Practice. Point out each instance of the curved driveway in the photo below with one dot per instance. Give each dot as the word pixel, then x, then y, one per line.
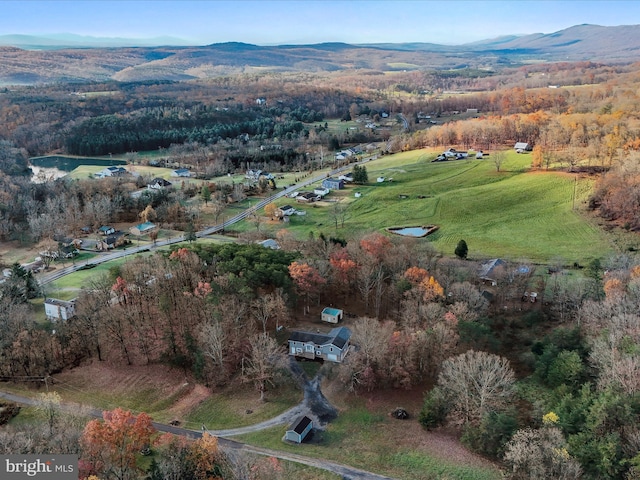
pixel 346 471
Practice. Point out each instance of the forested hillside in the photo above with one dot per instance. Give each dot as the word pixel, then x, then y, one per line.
pixel 546 385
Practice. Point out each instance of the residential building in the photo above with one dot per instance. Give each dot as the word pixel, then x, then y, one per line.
pixel 332 346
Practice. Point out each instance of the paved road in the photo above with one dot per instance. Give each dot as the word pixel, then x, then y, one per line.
pixel 286 417
pixel 227 445
pixel 46 278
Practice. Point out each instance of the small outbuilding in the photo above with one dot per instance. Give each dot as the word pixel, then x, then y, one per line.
pixel 298 431
pixel 331 315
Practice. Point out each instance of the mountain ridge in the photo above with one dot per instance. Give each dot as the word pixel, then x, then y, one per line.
pixel 182 62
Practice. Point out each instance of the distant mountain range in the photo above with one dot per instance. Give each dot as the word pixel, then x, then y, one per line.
pixel 73 58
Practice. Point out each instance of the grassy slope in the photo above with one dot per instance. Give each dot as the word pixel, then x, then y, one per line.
pixel 358 437
pixel 513 213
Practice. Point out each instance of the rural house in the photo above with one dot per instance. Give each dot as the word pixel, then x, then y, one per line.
pixel 143 228
pixel 56 309
pixel 111 172
pixel 522 147
pixel 159 183
pixel 333 183
pixel 285 211
pixel 307 197
pixel 332 346
pixel 270 243
pixel 491 270
pixel 106 230
pixel 331 315
pixel 299 429
pixel 181 172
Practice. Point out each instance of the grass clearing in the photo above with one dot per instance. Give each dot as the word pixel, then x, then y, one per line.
pixel 367 440
pixel 513 213
pixel 230 409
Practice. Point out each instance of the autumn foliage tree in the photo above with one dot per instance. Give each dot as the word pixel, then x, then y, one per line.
pixel 111 446
pixel 182 458
pixel 307 278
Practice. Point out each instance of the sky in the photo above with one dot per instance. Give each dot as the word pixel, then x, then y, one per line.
pixel 277 22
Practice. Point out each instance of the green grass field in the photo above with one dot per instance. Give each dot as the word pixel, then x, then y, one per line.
pixel 358 438
pixel 513 213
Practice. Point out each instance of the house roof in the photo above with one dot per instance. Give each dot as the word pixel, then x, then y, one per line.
pixel 487 268
pixel 105 228
pixel 337 336
pixel 300 424
pixel 160 181
pixel 284 208
pixel 145 226
pixel 331 311
pixel 60 303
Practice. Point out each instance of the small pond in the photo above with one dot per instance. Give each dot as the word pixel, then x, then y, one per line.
pixel 413 231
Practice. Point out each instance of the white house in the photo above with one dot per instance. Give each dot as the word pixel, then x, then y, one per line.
pixel 111 172
pixel 56 309
pixel 321 191
pixel 522 147
pixel 158 184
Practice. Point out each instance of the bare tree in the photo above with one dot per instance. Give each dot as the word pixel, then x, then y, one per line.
pixel 267 307
pixel 265 362
pixel 498 159
pixel 476 383
pixel 534 454
pixel 213 338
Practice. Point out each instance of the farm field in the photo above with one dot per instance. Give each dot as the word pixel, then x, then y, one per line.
pixel 513 213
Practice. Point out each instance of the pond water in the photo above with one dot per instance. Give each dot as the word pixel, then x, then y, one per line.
pixel 413 231
pixel 56 166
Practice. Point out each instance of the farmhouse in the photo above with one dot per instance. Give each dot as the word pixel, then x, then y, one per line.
pixel 59 309
pixel 270 243
pixel 181 172
pixel 143 228
pixel 321 192
pixel 331 315
pixel 522 147
pixel 307 197
pixel 285 211
pixel 333 183
pixel 111 172
pixel 490 271
pixel 332 346
pixel 299 429
pixel 106 230
pixel 159 184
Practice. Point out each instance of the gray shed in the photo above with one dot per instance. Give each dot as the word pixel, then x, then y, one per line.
pixel 299 430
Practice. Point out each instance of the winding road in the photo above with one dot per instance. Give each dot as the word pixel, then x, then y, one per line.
pixel 313 403
pixel 47 278
pixel 311 398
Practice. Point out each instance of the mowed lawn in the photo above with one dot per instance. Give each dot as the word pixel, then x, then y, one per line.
pixel 514 213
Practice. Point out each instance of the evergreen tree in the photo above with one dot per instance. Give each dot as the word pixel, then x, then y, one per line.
pixel 462 249
pixel 360 175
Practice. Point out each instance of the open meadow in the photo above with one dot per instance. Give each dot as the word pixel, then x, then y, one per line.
pixel 511 213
